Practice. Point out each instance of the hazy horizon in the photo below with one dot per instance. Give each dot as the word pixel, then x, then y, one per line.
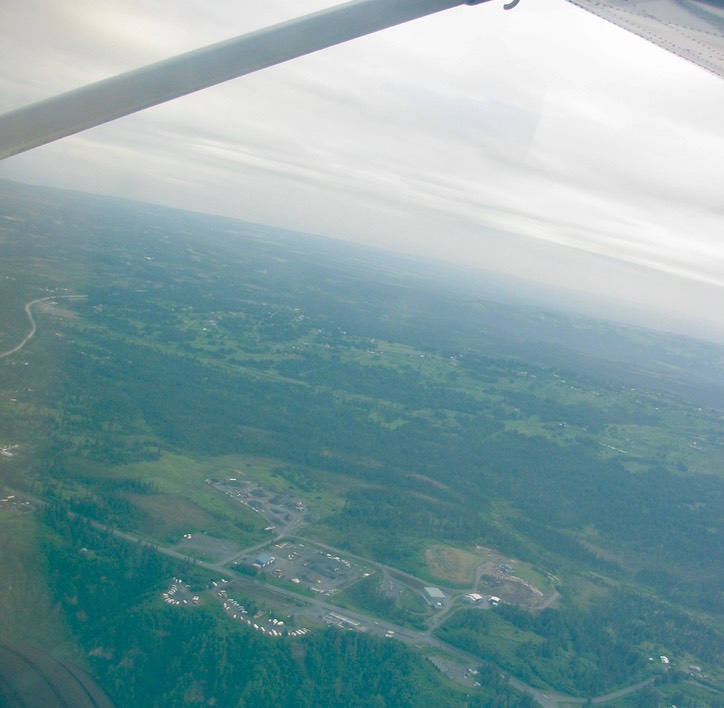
pixel 493 285
pixel 541 143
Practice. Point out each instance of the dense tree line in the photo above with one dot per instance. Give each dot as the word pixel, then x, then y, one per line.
pixel 583 651
pixel 138 381
pixel 113 388
pixel 145 653
pixel 367 595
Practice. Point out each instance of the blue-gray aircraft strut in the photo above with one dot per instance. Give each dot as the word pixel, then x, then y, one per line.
pixel 106 100
pixel 693 29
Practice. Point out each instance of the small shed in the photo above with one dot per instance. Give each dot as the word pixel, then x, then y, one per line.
pixel 263 560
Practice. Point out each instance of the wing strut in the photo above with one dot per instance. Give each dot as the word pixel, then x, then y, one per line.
pixel 112 98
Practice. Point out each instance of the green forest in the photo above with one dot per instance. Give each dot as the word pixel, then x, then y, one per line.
pixel 406 404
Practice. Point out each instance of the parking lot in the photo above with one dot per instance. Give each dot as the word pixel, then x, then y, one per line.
pixel 305 565
pixel 283 513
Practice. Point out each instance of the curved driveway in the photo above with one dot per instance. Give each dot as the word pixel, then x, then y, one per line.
pixel 33 326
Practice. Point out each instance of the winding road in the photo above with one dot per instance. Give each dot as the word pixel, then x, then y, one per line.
pixel 33 326
pixel 547 699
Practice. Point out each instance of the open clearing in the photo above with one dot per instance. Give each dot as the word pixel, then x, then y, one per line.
pixel 451 564
pixel 210 547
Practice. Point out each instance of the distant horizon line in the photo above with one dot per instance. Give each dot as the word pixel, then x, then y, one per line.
pixel 607 308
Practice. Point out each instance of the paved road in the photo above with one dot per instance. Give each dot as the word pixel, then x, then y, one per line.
pixel 33 326
pixel 623 692
pixel 547 699
pixel 322 608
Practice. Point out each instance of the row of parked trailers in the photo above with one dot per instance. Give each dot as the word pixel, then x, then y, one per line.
pixel 238 612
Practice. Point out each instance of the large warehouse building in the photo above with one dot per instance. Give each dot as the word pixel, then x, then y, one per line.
pixel 434 596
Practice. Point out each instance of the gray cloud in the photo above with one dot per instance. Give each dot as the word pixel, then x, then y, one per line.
pixel 514 140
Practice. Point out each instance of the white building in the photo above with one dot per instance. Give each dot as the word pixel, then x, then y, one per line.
pixel 434 596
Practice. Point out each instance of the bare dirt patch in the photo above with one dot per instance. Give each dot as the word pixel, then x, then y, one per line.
pixel 451 564
pixel 429 480
pixel 53 308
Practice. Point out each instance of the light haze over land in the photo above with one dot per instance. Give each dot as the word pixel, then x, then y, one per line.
pixel 541 142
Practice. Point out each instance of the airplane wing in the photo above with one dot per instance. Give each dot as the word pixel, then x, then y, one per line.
pixel 692 29
pixel 106 100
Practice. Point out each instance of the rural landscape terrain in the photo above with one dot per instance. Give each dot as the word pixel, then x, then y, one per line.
pixel 244 466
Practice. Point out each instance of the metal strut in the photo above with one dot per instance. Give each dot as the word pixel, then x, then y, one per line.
pixel 83 108
pixel 508 6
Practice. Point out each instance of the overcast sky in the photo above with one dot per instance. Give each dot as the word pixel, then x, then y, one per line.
pixel 541 142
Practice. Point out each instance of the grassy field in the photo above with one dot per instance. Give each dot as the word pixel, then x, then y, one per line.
pixel 27 615
pixel 184 503
pixel 406 608
pixel 415 421
pixel 181 502
pixel 536 577
pixel 452 566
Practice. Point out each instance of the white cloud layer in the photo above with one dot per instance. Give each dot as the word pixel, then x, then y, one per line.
pixel 541 142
